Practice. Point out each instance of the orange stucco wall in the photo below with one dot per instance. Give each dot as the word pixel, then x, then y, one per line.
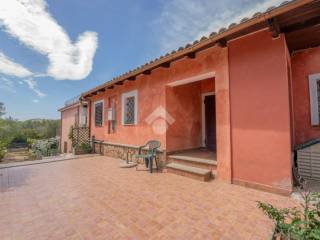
pixel 151 95
pixel 68 118
pixel 260 111
pixel 304 63
pixel 186 130
pixel 153 92
pixel 207 85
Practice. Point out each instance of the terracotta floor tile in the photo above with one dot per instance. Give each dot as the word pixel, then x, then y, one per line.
pixel 92 198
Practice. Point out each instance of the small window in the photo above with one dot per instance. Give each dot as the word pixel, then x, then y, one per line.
pixel 314 89
pixel 98 113
pixel 129 108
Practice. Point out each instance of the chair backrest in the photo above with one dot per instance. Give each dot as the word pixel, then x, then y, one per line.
pixel 153 145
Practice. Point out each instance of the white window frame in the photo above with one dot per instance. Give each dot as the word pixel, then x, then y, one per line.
pixel 134 94
pixel 94 112
pixel 314 103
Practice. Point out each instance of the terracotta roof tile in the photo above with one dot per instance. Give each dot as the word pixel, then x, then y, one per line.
pixel 213 34
pixel 270 8
pixel 232 25
pixel 257 14
pixel 244 20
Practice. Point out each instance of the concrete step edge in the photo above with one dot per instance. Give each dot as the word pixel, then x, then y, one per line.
pixel 194 159
pixel 185 168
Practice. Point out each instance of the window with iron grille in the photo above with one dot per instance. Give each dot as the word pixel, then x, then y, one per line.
pixel 129 108
pixel 314 90
pixel 98 113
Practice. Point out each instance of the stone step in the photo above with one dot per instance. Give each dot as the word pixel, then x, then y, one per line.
pixel 194 162
pixel 192 172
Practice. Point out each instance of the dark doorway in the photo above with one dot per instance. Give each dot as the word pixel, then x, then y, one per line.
pixel 65 147
pixel 210 122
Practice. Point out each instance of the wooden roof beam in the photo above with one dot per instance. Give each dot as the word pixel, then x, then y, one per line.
pixel 146 72
pixel 192 55
pixel 166 64
pixel 101 90
pixel 302 25
pixel 222 43
pixel 120 83
pixel 274 27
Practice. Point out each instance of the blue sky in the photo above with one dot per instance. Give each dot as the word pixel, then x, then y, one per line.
pixel 51 51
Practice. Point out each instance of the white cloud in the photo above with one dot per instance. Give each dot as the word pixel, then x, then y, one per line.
pixel 7 84
pixel 33 85
pixel 183 21
pixel 30 22
pixel 35 100
pixel 9 67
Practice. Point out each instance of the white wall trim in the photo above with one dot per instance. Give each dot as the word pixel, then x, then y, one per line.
pixel 94 112
pixel 192 79
pixel 134 94
pixel 314 104
pixel 203 113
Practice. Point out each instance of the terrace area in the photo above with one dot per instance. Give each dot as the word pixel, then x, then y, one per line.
pixel 92 198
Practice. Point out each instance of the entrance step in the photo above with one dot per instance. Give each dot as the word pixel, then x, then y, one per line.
pixel 189 171
pixel 194 162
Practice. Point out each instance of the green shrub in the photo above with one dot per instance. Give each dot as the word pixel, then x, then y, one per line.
pixel 83 148
pixel 3 149
pixel 44 148
pixel 295 223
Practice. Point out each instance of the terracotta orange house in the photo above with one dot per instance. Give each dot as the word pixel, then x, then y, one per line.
pixel 73 114
pixel 247 94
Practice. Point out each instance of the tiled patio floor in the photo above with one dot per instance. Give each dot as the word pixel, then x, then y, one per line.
pixel 92 198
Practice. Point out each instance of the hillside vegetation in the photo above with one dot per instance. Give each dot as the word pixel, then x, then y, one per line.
pixel 14 131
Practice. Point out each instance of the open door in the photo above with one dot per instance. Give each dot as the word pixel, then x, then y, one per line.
pixel 210 122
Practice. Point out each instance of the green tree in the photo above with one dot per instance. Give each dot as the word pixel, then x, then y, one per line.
pixel 14 131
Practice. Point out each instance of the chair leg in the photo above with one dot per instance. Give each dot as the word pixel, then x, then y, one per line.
pixel 138 162
pixel 156 162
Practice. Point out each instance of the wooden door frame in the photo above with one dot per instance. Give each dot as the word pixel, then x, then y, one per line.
pixel 203 116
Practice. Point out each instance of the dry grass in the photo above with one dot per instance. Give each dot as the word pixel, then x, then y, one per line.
pixel 16 155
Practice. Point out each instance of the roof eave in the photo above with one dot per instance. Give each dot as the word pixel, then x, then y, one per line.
pixel 203 44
